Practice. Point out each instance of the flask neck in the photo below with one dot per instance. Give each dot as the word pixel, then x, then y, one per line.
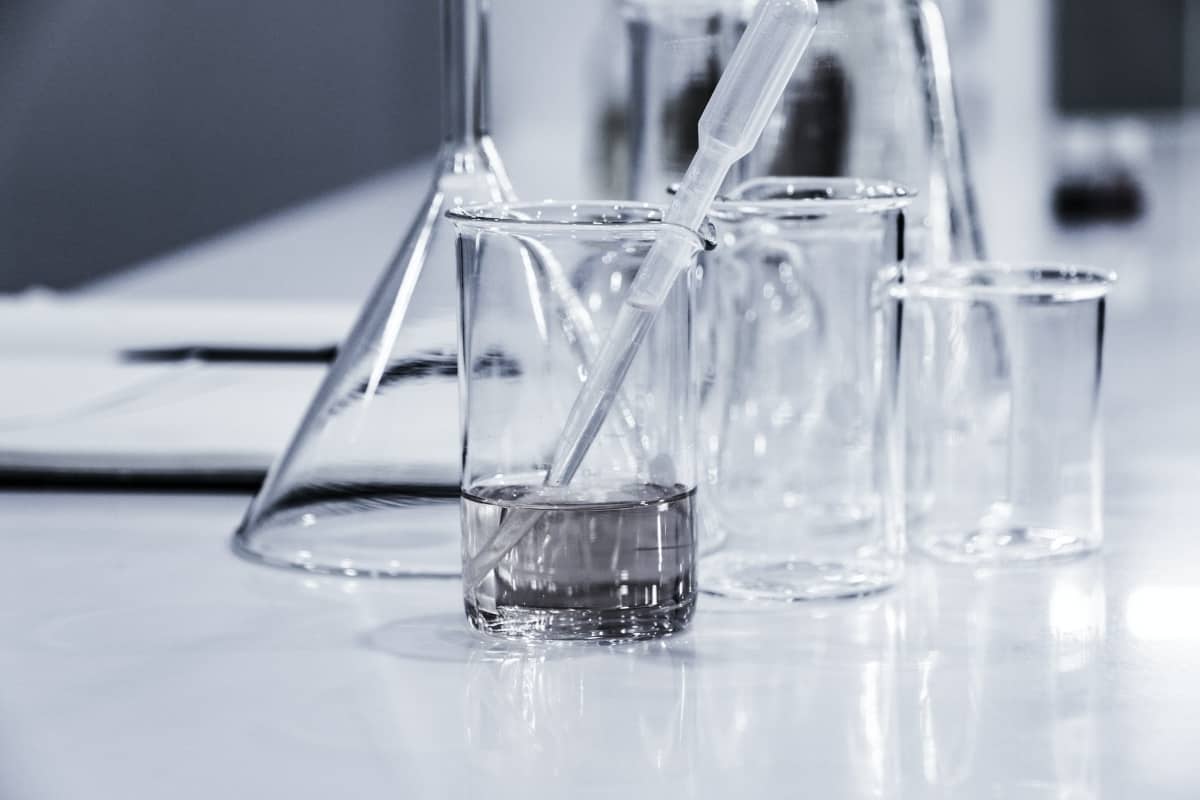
pixel 464 71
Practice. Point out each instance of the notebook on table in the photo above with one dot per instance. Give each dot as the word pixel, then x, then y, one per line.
pixel 104 391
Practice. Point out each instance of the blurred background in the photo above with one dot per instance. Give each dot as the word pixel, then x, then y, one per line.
pixel 131 129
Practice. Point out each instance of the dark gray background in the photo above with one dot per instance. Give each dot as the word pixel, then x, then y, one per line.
pixel 129 127
pixel 1122 56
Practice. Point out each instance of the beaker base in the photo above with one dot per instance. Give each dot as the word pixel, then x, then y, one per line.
pixel 1011 545
pixel 579 624
pixel 783 578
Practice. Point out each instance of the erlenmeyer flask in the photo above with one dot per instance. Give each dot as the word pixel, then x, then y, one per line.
pixel 369 483
pixel 876 97
pixel 873 97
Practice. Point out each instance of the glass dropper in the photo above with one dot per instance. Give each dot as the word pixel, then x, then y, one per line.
pixel 732 122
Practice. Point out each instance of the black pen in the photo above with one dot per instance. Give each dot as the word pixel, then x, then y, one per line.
pixel 222 354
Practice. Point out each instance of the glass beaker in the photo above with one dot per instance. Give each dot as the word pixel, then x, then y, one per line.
pixel 612 554
pixel 1001 376
pixel 368 485
pixel 800 428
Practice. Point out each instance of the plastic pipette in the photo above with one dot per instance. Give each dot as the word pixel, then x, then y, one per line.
pixel 747 93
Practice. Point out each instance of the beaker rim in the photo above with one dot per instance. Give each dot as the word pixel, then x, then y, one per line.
pixel 809 196
pixel 588 216
pixel 1043 282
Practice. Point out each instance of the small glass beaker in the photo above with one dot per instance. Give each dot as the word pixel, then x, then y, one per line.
pixel 611 555
pixel 799 424
pixel 1001 381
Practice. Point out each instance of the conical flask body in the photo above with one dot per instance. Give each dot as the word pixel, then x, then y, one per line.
pixel 369 484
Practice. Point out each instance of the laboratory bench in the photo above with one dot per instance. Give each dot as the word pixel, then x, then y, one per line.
pixel 141 658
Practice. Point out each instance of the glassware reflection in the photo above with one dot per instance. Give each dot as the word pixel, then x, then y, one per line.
pixel 958 684
pixel 1001 691
pixel 800 700
pixel 760 703
pixel 555 714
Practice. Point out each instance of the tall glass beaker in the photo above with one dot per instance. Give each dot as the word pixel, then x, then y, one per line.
pixel 800 425
pixel 369 483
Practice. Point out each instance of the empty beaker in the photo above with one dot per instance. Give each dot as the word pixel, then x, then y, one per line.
pixel 1001 373
pixel 610 555
pixel 800 428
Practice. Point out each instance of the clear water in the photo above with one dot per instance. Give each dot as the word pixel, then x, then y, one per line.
pixel 602 565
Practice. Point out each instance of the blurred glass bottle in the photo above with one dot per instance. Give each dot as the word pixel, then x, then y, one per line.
pixel 677 50
pixel 874 96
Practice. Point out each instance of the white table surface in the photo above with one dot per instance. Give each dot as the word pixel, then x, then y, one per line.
pixel 139 658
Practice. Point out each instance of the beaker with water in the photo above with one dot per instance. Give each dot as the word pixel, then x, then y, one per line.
pixel 611 555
